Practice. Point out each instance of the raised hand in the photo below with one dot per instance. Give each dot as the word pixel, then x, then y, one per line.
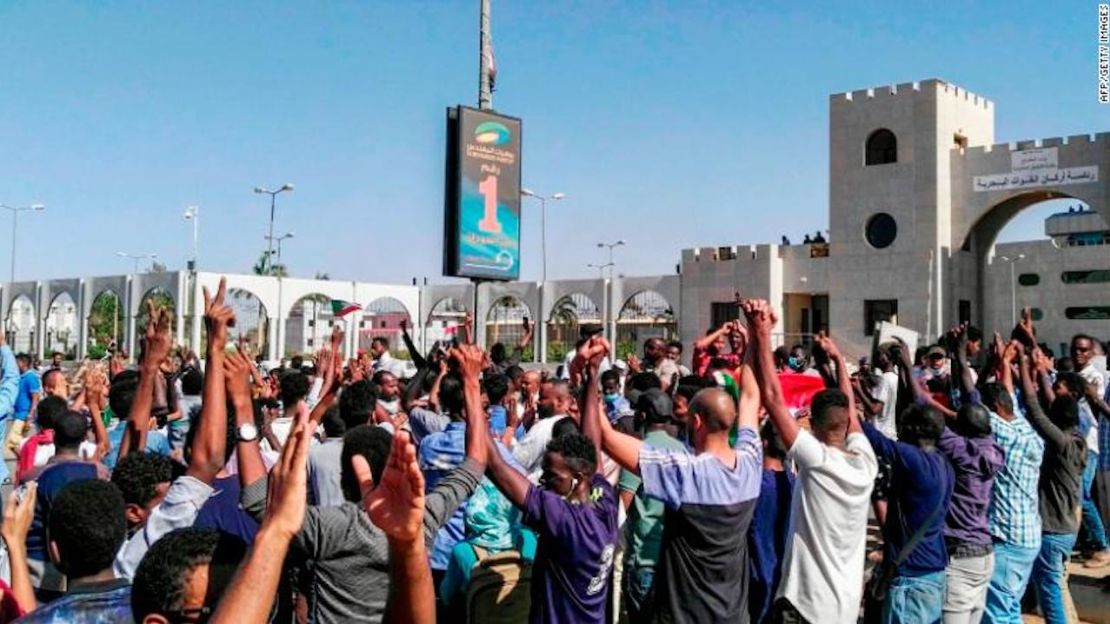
pixel 18 515
pixel 337 341
pixel 396 505
pixel 157 340
pixel 633 363
pixel 218 316
pixel 288 484
pixel 827 345
pixel 592 353
pixel 470 358
pixel 761 317
pixel 237 372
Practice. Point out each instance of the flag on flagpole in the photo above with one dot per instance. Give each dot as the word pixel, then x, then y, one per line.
pixel 340 308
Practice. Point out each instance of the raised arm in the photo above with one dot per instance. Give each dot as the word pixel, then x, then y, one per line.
pixel 95 383
pixel 18 515
pixel 706 341
pixel 1005 364
pixel 526 339
pixel 843 381
pixel 156 348
pixel 250 596
pixel 748 413
pixel 468 328
pixel 1033 412
pixel 761 320
pixel 417 358
pixel 237 387
pixel 957 344
pixel 469 359
pixel 592 353
pixel 210 442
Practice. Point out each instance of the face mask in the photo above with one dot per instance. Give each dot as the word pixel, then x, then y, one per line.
pixel 612 398
pixel 795 364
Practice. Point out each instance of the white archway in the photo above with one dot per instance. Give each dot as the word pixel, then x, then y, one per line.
pixel 20 324
pixel 62 326
pixel 646 314
pixel 569 316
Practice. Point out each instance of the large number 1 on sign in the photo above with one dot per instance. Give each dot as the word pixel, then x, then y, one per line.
pixel 489 222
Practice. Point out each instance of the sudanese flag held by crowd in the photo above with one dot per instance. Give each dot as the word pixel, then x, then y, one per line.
pixel 340 308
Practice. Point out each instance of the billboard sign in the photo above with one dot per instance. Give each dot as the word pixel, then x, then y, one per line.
pixel 482 199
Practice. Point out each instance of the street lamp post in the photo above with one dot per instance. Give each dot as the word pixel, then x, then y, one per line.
pixel 543 221
pixel 136 258
pixel 278 239
pixel 273 204
pixel 15 222
pixel 192 213
pixel 619 243
pixel 1013 286
pixel 601 269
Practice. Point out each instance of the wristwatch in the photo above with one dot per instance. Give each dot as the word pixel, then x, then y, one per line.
pixel 248 432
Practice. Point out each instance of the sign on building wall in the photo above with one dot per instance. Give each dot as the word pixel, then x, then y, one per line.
pixel 1034 159
pixel 1032 168
pixel 482 195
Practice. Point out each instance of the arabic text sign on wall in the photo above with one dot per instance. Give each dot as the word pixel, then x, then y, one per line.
pixel 1033 178
pixel 482 221
pixel 1034 159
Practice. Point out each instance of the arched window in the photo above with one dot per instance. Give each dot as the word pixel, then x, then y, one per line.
pixel 882 148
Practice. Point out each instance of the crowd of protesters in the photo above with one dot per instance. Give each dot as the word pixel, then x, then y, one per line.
pixel 736 487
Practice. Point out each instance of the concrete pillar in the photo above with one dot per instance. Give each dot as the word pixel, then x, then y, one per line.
pixel 41 312
pixel 82 322
pixel 181 300
pixel 196 311
pixel 541 325
pixel 129 318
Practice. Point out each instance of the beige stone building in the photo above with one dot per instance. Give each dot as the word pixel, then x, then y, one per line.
pixel 918 192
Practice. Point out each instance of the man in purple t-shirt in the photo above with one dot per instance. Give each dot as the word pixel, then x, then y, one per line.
pixel 573 511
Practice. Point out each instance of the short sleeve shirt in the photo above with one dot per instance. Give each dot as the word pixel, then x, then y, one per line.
pixel 887 392
pixel 822 573
pixel 29 384
pixel 702 571
pixel 645 514
pixel 570 579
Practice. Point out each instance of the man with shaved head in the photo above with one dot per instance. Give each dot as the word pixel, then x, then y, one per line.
pixel 709 497
pixel 822 569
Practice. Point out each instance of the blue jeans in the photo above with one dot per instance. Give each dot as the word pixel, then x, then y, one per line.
pixel 1092 527
pixel 1048 575
pixel 915 599
pixel 1012 568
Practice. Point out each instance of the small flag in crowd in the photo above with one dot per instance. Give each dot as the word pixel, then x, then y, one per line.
pixel 341 308
pixel 798 389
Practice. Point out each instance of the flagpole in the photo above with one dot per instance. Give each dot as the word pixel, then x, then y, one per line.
pixel 485 94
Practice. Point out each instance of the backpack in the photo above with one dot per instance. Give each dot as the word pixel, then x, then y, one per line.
pixel 500 588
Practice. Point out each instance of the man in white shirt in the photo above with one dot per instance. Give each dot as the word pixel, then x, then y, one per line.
pixel 822 570
pixel 383 360
pixel 554 404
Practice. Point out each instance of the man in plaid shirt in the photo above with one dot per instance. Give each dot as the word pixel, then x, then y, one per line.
pixel 1015 522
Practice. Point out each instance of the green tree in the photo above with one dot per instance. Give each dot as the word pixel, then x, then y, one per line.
pixel 102 329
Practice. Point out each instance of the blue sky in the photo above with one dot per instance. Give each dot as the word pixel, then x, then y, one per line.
pixel 670 125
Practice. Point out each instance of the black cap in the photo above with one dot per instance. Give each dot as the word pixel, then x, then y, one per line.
pixel 655 406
